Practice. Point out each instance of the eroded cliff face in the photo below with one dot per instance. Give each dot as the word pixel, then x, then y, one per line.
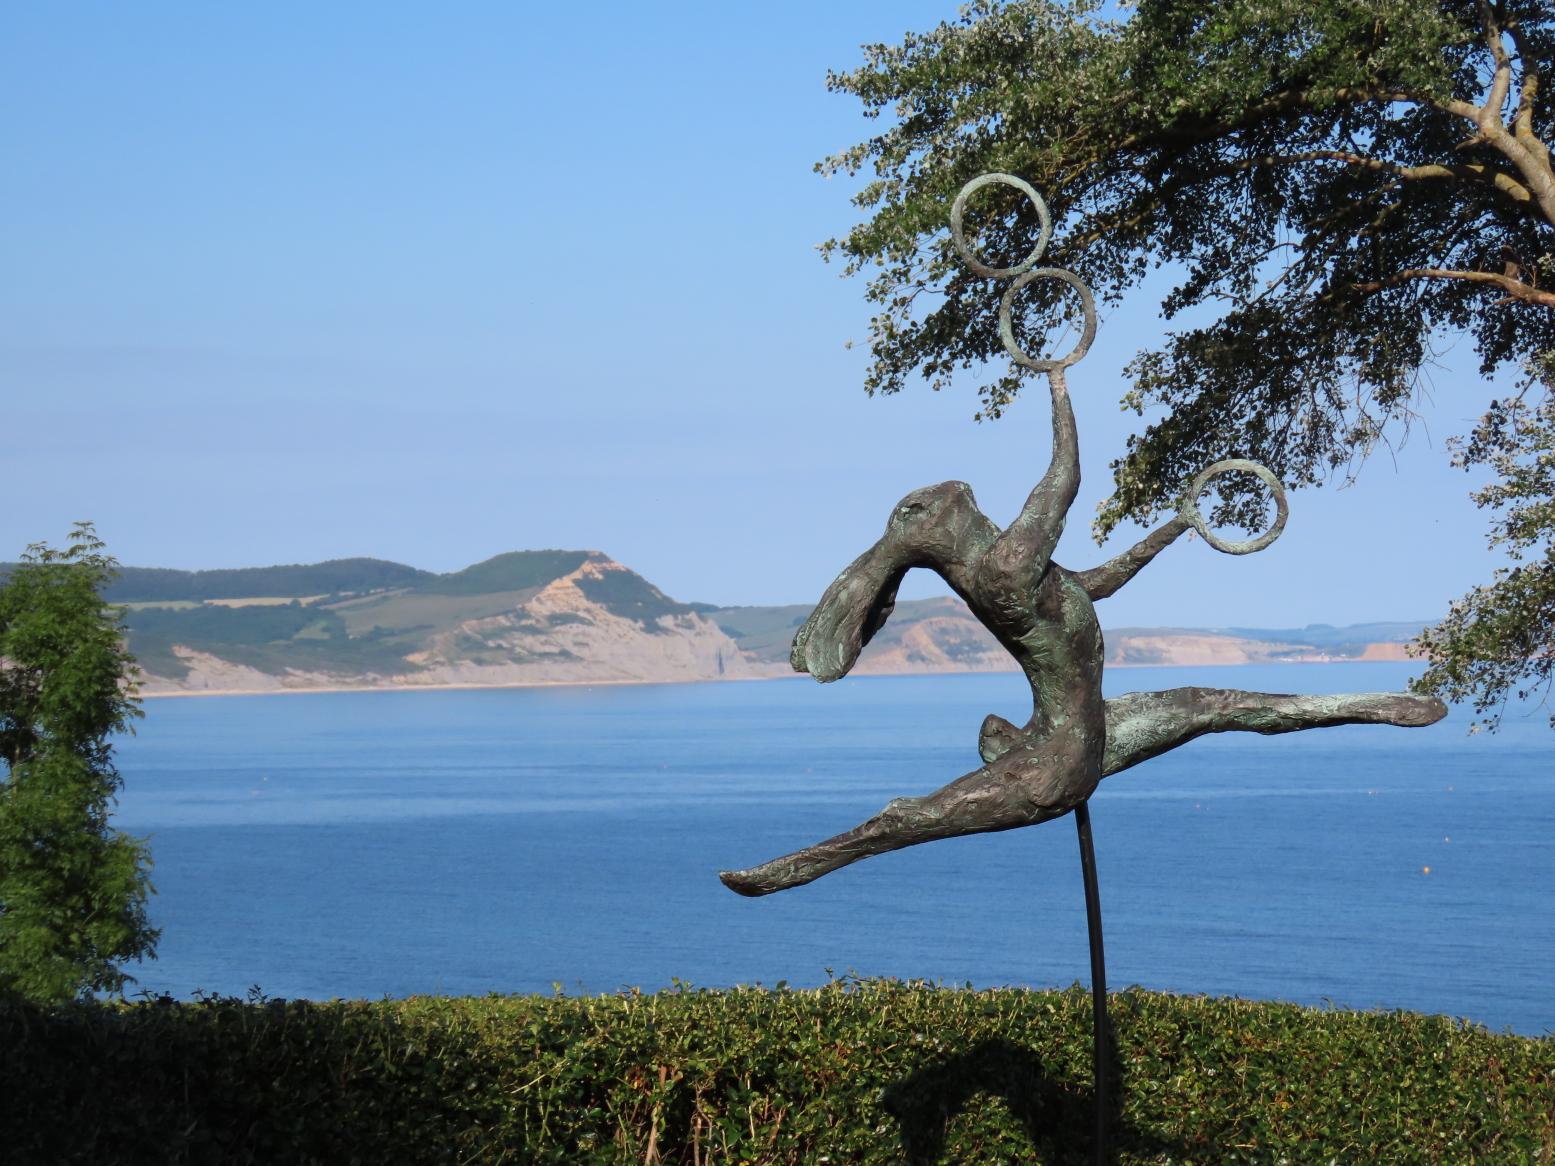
pixel 600 623
pixel 208 673
pixel 941 635
pixel 568 634
pixel 583 618
pixel 1168 647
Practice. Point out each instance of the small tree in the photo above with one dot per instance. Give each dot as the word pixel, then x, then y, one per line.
pixel 72 889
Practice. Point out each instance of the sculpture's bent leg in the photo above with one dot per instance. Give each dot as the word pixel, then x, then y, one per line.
pixel 997 737
pixel 1030 784
pixel 1142 725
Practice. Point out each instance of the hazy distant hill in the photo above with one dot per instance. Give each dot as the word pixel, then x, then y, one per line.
pixel 940 635
pixel 1324 635
pixel 534 617
pixel 922 635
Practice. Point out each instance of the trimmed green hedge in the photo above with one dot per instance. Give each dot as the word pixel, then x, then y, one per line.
pixel 856 1072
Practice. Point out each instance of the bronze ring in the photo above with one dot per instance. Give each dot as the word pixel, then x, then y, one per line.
pixel 958 234
pixel 1189 507
pixel 1007 330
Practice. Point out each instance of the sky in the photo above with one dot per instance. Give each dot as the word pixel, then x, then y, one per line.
pixel 293 282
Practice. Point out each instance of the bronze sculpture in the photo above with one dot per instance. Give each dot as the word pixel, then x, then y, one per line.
pixel 1044 615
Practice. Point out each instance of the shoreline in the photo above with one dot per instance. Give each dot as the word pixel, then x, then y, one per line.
pixel 301 690
pixel 475 687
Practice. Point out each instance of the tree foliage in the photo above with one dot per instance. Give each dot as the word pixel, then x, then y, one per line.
pixel 73 890
pixel 1497 640
pixel 1336 184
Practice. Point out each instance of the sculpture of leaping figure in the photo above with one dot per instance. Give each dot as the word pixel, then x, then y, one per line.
pixel 1044 616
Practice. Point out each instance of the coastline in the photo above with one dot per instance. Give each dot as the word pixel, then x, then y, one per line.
pixel 303 690
pixel 1368 658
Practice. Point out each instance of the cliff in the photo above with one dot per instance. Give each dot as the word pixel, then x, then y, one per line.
pixel 572 617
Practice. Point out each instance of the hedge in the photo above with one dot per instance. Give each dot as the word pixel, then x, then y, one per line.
pixel 855 1072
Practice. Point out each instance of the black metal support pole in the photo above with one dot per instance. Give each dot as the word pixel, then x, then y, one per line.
pixel 1082 821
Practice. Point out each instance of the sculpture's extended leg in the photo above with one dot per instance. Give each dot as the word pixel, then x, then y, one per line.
pixel 1142 725
pixel 1029 784
pixel 939 527
pixel 1033 783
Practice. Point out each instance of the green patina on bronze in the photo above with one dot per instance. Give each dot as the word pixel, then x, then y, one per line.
pixel 1044 615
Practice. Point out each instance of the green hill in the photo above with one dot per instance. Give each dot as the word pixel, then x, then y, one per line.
pixel 294 581
pixel 513 571
pixel 345 616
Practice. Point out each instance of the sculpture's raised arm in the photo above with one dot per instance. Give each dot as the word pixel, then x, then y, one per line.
pixel 1020 555
pixel 1100 582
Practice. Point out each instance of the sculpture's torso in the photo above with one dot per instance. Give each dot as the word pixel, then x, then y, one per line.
pixel 1052 763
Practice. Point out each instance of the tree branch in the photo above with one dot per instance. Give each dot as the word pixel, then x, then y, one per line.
pixel 1522 121
pixel 1100 582
pixel 1513 286
pixel 1501 79
pixel 1189 131
pixel 1524 151
pixel 1425 172
pixel 1159 192
pixel 1529 155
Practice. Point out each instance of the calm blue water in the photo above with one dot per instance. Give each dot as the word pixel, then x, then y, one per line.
pixel 391 843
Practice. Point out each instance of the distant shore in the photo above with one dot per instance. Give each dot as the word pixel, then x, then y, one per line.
pixel 305 690
pixel 301 690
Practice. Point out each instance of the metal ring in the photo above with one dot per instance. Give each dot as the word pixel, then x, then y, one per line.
pixel 1007 330
pixel 1189 506
pixel 958 235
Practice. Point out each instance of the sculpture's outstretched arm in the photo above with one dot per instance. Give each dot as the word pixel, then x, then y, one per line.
pixel 1100 582
pixel 1020 555
pixel 1142 725
pixel 939 527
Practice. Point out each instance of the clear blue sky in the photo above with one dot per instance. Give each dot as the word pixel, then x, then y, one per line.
pixel 290 282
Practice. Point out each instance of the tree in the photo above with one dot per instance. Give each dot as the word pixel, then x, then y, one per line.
pixel 1498 639
pixel 1339 184
pixel 73 890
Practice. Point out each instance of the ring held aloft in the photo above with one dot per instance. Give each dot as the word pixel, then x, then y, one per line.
pixel 1189 506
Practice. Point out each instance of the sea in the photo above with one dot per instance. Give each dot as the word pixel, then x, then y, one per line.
pixel 568 839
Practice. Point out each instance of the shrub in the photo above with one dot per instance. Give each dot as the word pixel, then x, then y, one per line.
pixel 855 1072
